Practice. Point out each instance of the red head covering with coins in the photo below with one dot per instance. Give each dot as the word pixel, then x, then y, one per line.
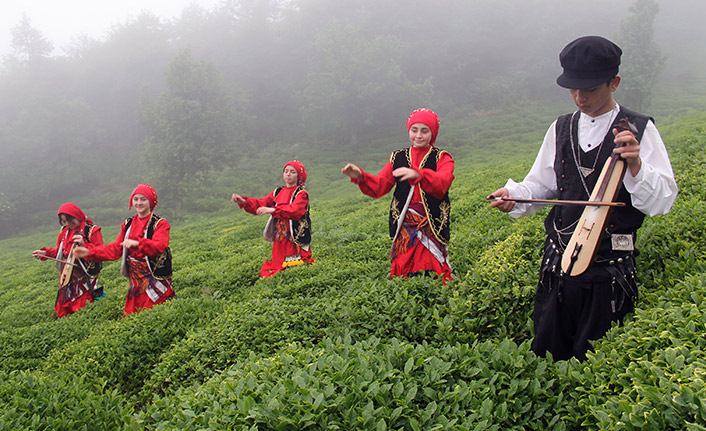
pixel 428 118
pixel 301 171
pixel 147 191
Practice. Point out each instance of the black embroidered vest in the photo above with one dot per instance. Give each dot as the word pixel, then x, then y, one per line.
pixel 161 264
pixel 92 268
pixel 622 220
pixel 300 230
pixel 438 210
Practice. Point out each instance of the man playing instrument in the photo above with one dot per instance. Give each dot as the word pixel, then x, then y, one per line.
pixel 569 311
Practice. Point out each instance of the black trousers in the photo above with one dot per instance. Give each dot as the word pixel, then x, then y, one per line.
pixel 569 313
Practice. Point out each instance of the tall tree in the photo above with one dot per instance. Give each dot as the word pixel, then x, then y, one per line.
pixel 28 43
pixel 642 58
pixel 189 128
pixel 355 84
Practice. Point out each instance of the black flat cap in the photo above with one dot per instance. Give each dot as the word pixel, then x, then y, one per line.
pixel 588 62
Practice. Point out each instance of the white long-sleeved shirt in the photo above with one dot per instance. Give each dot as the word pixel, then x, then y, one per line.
pixel 653 190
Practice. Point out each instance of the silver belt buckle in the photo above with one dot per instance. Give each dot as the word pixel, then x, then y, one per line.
pixel 622 242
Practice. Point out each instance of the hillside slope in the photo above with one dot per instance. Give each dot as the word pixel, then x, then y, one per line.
pixel 338 345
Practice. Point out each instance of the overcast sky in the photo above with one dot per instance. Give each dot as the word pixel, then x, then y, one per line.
pixel 60 21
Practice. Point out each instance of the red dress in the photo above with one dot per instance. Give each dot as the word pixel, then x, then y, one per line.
pixel 285 252
pixel 77 292
pixel 418 252
pixel 145 290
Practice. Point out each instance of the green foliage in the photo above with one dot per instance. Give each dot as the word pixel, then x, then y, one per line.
pixel 37 401
pixel 642 59
pixel 339 345
pixel 292 74
pixel 369 385
pixel 125 358
pixel 28 43
pixel 190 127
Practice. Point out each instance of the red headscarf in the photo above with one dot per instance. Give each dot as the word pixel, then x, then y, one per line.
pixel 301 171
pixel 428 118
pixel 74 211
pixel 147 191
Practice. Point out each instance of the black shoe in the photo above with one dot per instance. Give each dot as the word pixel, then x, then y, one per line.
pixel 98 293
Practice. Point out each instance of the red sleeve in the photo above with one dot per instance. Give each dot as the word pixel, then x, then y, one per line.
pixel 159 241
pixel 252 204
pixel 294 210
pixel 378 185
pixel 437 182
pixel 96 236
pixel 52 252
pixel 112 251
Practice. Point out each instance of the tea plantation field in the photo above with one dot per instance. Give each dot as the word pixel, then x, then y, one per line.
pixel 337 345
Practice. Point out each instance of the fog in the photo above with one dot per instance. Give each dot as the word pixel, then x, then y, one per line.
pixel 218 81
pixel 64 22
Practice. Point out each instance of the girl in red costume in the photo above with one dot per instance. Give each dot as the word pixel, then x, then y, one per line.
pixel 289 226
pixel 419 213
pixel 81 288
pixel 143 245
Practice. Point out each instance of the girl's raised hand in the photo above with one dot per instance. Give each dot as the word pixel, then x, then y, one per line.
pixel 237 199
pixel 352 171
pixel 404 174
pixel 81 252
pixel 130 243
pixel 265 210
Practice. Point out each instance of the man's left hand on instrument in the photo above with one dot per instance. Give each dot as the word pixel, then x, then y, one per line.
pixel 627 146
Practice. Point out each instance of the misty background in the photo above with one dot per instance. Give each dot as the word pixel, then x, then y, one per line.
pixel 179 102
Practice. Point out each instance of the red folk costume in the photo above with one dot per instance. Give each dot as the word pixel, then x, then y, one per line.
pixel 149 265
pixel 84 277
pixel 289 226
pixel 420 242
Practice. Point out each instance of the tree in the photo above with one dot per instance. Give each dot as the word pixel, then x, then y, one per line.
pixel 642 59
pixel 354 84
pixel 28 43
pixel 189 128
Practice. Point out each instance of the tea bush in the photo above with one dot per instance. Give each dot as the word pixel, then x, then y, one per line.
pixel 339 345
pixel 37 401
pixel 370 385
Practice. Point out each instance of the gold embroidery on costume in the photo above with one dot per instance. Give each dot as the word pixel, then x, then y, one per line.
pixel 438 155
pixel 161 264
pixel 424 159
pixel 445 209
pixel 395 210
pixel 161 258
pixel 409 157
pixel 301 229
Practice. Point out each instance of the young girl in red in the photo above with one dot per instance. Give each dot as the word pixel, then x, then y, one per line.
pixel 81 287
pixel 143 245
pixel 420 209
pixel 289 226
